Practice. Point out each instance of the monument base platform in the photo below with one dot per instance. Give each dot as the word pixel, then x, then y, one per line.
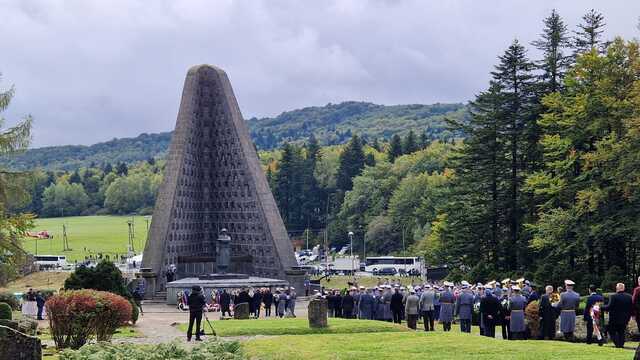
pixel 211 282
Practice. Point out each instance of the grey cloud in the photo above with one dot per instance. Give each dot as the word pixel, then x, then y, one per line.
pixel 92 70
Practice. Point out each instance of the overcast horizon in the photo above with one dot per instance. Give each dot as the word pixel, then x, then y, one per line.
pixel 89 71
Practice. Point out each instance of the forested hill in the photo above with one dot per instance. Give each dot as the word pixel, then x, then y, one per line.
pixel 331 124
pixel 335 123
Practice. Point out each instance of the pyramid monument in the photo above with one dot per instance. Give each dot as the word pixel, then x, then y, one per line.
pixel 213 181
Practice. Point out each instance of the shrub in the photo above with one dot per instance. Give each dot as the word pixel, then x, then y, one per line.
pixel 72 317
pixel 104 277
pixel 533 318
pixel 215 350
pixel 7 297
pixel 5 311
pixel 112 311
pixel 75 316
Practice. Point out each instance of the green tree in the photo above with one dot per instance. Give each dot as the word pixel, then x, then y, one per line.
pixel 64 199
pixel 352 161
pixel 589 34
pixel 552 43
pixel 288 189
pixel 12 225
pixel 395 148
pixel 410 143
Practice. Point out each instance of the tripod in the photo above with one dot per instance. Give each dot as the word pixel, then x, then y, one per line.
pixel 202 332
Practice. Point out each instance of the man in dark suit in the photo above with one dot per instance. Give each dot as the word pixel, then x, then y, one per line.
pixel 548 315
pixel 489 308
pixel 593 298
pixel 396 306
pixel 619 308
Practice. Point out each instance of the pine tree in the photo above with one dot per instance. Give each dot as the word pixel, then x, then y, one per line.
pixel 370 160
pixel 424 140
pixel 514 76
pixel 107 168
pixel 352 161
pixel 552 42
pixel 311 192
pixel 122 169
pixel 376 145
pixel 75 178
pixel 589 33
pixel 288 188
pixel 395 148
pixel 410 144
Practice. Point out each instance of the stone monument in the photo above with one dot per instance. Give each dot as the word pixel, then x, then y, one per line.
pixel 213 181
pixel 317 312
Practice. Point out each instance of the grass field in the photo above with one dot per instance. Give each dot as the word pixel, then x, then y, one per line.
pixel 88 235
pixel 341 282
pixel 297 327
pixel 420 345
pixel 39 281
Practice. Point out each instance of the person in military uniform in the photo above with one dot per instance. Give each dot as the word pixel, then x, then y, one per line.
pixel 464 308
pixel 569 301
pixel 446 307
pixel 366 306
pixel 548 315
pixel 503 296
pixel 412 309
pixel 427 299
pixel 517 303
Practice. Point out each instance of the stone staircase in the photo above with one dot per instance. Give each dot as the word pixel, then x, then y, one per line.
pixel 159 297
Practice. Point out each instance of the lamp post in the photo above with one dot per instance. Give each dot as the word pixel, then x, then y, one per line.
pixel 404 254
pixel 351 250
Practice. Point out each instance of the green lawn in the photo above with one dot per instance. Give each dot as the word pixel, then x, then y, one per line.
pixel 106 234
pixel 420 345
pixel 341 282
pixel 296 327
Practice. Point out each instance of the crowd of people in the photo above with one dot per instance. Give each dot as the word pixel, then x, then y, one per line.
pixel 33 305
pixel 497 304
pixel 282 300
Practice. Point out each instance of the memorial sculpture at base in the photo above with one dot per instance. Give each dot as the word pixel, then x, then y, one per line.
pixel 213 181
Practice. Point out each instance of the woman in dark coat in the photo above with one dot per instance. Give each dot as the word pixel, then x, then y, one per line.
pixel 267 300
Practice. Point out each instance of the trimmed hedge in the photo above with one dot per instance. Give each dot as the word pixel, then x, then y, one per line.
pixel 5 311
pixel 9 298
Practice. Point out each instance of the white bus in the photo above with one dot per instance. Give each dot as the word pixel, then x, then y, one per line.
pixel 51 261
pixel 406 265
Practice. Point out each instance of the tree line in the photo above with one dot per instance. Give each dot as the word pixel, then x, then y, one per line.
pixel 545 182
pixel 107 189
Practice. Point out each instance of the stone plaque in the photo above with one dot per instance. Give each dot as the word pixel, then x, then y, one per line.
pixel 317 313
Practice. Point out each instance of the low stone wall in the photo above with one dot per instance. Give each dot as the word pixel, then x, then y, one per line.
pixel 18 346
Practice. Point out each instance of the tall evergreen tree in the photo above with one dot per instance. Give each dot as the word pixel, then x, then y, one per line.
pixel 288 189
pixel 410 144
pixel 424 140
pixel 589 34
pixel 516 80
pixel 395 148
pixel 552 43
pixel 311 193
pixel 352 161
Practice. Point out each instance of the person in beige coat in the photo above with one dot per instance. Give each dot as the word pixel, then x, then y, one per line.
pixel 411 308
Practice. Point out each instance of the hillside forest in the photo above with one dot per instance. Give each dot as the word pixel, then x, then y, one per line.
pixel 543 180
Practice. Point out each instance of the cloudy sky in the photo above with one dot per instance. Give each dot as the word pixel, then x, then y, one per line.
pixel 89 71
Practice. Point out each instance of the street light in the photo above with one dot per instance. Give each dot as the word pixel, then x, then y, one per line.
pixel 351 250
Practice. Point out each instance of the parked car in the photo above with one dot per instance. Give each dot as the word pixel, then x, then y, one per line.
pixel 385 272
